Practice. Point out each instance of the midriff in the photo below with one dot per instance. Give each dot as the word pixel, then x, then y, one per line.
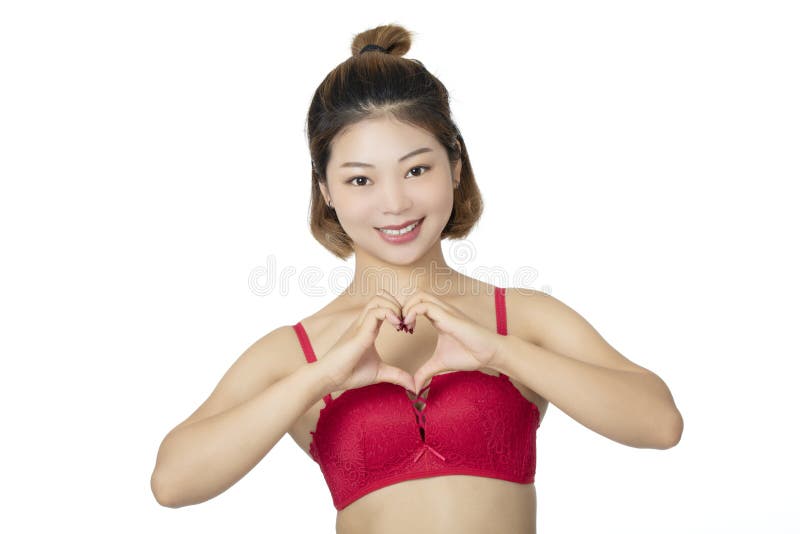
pixel 443 505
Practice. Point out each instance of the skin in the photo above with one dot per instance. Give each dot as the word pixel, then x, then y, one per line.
pixel 391 193
pixel 550 352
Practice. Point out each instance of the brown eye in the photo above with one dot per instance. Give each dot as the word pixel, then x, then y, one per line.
pixel 420 167
pixel 357 178
pixel 361 184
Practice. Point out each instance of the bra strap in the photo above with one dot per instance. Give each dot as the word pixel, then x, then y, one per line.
pixel 500 314
pixel 308 350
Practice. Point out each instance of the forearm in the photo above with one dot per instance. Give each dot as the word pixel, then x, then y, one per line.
pixel 629 407
pixel 203 459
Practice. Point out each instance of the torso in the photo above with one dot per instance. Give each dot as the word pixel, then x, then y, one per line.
pixel 452 503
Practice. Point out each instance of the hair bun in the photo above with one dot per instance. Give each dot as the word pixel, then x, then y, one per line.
pixel 395 39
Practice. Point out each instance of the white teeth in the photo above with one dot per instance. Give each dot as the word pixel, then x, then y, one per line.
pixel 401 231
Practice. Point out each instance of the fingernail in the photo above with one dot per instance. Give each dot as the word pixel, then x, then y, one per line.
pixel 409 322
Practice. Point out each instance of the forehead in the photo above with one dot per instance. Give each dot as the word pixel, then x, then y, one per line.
pixel 378 140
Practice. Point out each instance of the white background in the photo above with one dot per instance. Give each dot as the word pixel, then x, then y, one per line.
pixel 641 157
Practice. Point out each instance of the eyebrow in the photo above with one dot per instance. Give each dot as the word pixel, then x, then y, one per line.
pixel 412 153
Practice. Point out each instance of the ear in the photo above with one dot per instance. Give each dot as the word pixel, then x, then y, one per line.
pixel 326 196
pixel 457 167
pixel 457 171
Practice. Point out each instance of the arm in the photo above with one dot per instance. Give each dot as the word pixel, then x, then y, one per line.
pixel 630 407
pixel 560 355
pixel 204 458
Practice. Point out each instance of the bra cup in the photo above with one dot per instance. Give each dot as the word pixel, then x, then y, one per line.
pixel 473 414
pixel 475 423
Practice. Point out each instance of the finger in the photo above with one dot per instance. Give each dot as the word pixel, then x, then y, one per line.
pixel 387 299
pixel 425 296
pixel 439 317
pixel 395 375
pixel 380 304
pixel 366 311
pixel 371 325
pixel 415 298
pixel 425 373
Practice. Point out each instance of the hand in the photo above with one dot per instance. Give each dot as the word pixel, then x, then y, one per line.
pixel 463 344
pixel 353 361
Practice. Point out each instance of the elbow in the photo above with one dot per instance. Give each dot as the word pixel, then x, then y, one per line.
pixel 162 493
pixel 672 430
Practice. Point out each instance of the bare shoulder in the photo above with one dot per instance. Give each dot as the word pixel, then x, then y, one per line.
pixel 544 320
pixel 270 358
pixel 274 354
pixel 525 309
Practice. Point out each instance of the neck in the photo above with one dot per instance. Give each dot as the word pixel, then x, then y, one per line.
pixel 429 273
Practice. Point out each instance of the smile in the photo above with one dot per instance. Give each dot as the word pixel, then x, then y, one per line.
pixel 401 235
pixel 402 230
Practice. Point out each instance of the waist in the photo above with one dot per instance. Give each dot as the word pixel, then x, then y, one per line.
pixel 443 504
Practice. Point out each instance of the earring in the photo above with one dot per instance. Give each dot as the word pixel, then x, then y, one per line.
pixel 330 204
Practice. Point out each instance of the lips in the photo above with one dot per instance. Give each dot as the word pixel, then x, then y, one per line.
pixel 398 226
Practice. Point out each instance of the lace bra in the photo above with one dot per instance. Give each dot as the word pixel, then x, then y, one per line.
pixel 471 423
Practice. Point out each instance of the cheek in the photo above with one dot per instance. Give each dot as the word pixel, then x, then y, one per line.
pixel 354 213
pixel 434 201
pixel 441 198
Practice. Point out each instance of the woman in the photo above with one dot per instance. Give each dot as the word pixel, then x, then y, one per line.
pixel 428 422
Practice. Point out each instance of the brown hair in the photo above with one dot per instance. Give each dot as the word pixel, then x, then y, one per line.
pixel 374 84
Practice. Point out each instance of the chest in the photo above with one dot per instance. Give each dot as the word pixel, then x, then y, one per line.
pixel 436 504
pixel 408 352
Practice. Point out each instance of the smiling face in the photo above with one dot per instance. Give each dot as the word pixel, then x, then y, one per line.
pixel 383 172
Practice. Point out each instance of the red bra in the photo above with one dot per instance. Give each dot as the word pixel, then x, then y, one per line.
pixel 472 423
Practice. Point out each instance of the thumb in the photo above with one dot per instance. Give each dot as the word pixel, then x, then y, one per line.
pixel 424 375
pixel 395 375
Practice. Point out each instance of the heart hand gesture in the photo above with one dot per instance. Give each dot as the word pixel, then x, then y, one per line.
pixel 463 344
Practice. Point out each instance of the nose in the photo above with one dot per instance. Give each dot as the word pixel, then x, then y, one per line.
pixel 395 197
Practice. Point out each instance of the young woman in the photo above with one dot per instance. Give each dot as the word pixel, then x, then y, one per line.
pixel 418 390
